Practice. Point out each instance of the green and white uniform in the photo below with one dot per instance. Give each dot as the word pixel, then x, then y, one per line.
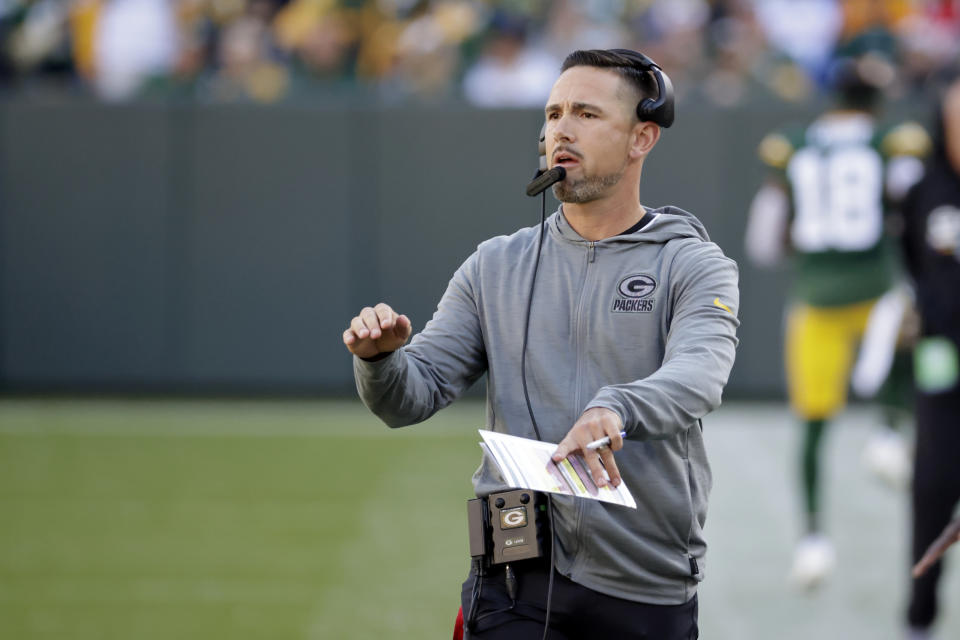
pixel 838 173
pixel 834 183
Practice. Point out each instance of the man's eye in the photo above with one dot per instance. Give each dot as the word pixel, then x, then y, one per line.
pixel 553 116
pixel 586 114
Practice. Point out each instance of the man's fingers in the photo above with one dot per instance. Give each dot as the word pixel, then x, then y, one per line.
pixel 371 321
pixel 596 469
pixel 403 326
pixel 577 439
pixel 616 440
pixel 560 454
pixel 610 464
pixel 592 426
pixel 593 460
pixel 563 449
pixel 567 446
pixel 375 330
pixel 385 315
pixel 360 329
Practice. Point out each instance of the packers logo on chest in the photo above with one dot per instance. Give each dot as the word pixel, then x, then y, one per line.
pixel 634 294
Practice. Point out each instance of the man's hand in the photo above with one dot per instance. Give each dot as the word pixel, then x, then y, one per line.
pixel 594 424
pixel 376 330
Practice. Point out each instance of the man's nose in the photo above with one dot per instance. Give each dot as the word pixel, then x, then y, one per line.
pixel 562 130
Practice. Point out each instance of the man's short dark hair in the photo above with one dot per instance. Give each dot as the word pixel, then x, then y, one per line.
pixel 625 66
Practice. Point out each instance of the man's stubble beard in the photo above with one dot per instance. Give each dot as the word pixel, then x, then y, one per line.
pixel 586 189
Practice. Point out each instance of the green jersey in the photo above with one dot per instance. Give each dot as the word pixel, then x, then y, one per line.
pixel 836 172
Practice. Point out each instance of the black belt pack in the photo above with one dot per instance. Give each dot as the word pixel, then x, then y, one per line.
pixel 508 526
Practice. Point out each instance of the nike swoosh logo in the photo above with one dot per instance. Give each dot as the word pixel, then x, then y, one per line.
pixel 717 303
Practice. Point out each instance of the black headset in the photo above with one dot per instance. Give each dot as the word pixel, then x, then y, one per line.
pixel 659 110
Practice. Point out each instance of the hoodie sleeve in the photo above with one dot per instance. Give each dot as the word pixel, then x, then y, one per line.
pixel 699 352
pixel 416 381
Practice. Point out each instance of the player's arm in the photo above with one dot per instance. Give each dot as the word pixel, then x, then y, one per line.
pixel 905 146
pixel 767 235
pixel 698 358
pixel 698 354
pixel 951 125
pixel 404 385
pixel 949 536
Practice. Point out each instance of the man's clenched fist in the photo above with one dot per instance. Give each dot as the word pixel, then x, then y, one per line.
pixel 376 330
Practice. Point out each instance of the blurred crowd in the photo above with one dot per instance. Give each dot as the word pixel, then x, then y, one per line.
pixel 488 52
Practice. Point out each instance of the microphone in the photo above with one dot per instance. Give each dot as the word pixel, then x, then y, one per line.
pixel 546 179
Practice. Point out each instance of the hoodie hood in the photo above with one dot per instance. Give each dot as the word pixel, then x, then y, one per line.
pixel 669 223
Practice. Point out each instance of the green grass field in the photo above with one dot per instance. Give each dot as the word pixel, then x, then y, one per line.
pixel 285 519
pixel 229 520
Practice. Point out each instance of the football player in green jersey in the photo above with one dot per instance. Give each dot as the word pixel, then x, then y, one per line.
pixel 826 201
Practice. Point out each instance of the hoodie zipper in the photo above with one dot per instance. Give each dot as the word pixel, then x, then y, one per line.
pixel 591 257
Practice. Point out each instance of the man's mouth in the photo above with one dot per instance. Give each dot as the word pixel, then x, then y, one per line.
pixel 565 159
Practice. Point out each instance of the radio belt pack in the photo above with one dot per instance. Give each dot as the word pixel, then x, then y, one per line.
pixel 508 526
pixel 504 527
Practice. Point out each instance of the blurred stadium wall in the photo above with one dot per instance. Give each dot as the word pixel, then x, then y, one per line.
pixel 163 248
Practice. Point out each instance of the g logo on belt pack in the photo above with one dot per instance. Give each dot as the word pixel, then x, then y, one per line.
pixel 634 294
pixel 513 518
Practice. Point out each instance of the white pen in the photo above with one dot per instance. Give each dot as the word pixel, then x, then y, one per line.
pixel 603 442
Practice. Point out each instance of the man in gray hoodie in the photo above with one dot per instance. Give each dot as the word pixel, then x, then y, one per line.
pixel 633 321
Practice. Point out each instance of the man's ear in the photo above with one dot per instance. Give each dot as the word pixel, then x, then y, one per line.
pixel 645 136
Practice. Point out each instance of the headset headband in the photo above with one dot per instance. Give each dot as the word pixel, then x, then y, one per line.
pixel 659 110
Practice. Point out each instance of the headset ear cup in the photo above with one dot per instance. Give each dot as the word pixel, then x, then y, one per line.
pixel 661 109
pixel 646 110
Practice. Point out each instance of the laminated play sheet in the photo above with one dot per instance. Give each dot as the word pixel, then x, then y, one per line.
pixel 527 464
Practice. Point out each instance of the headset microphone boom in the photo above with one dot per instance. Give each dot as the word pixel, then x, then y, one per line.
pixel 546 179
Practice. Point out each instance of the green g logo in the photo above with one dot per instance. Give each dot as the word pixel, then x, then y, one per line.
pixel 513 518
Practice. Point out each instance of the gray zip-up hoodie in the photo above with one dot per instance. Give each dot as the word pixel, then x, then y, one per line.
pixel 643 324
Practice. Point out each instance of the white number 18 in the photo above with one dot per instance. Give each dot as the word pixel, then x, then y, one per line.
pixel 838 198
